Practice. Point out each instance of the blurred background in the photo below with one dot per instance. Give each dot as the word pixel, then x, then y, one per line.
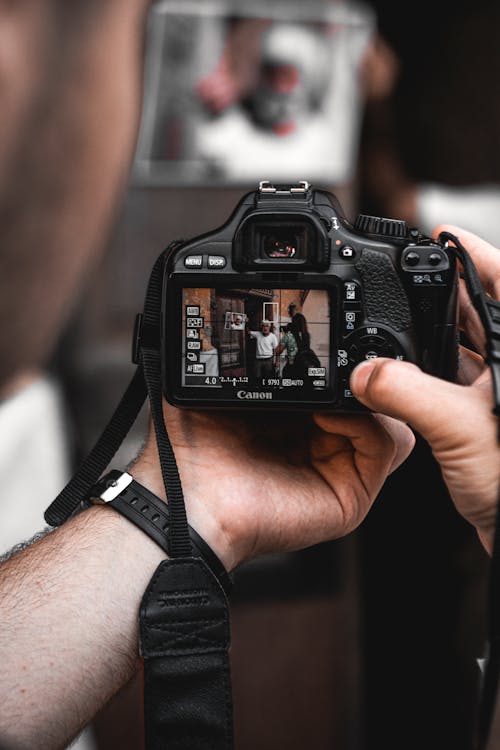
pixel 370 641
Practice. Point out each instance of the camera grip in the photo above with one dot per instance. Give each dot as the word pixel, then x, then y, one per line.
pixel 384 294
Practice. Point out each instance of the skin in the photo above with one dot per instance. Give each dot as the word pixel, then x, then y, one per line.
pixel 70 100
pixel 68 641
pixel 248 492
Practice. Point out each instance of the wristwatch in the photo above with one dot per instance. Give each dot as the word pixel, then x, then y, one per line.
pixel 120 491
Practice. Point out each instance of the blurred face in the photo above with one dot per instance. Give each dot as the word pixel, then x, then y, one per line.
pixel 282 78
pixel 70 96
pixel 266 328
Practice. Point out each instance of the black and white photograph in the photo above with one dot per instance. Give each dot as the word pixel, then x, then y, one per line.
pixel 232 94
pixel 234 321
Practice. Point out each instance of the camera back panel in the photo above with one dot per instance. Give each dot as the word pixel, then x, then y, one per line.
pixel 275 308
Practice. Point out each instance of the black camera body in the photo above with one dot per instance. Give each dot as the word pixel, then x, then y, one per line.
pixel 274 309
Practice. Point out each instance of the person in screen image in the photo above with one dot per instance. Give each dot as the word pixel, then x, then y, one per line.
pixel 267 344
pixel 237 322
pixel 209 354
pixel 299 327
pixel 288 346
pixel 305 357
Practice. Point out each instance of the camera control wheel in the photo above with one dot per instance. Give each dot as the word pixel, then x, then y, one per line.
pixel 393 228
pixel 372 342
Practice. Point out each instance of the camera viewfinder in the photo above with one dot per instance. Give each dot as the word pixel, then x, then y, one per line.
pixel 281 243
pixel 285 241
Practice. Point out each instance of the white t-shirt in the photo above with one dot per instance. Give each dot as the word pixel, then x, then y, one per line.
pixel 265 344
pixel 34 460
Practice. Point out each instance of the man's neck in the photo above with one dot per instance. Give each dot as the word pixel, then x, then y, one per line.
pixel 17 383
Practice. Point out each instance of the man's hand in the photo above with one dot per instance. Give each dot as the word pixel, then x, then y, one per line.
pixel 274 482
pixel 68 603
pixel 456 420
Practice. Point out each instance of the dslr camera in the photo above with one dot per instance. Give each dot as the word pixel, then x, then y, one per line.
pixel 275 308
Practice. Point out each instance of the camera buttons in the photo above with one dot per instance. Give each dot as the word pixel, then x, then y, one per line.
pixel 350 319
pixel 412 258
pixel 216 261
pixel 435 259
pixel 352 292
pixel 193 261
pixel 347 252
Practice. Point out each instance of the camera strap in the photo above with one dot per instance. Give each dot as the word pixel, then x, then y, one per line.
pixel 184 629
pixel 488 310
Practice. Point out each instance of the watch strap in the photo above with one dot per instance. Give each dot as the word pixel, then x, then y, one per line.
pixel 139 505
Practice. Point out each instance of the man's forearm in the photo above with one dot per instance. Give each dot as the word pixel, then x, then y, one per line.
pixel 68 635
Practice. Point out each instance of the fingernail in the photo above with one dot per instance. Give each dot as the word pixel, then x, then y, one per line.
pixel 360 375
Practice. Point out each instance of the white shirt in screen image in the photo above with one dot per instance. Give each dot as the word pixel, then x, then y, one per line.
pixel 265 344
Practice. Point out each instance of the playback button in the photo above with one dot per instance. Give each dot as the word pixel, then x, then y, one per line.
pixel 352 292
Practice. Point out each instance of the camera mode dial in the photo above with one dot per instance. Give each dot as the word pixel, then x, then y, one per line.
pixel 384 227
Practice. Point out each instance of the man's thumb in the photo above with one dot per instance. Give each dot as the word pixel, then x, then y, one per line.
pixel 402 390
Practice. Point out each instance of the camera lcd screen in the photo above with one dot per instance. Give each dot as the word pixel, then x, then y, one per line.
pixel 266 339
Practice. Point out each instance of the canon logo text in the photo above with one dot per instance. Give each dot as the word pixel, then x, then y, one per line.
pixel 255 395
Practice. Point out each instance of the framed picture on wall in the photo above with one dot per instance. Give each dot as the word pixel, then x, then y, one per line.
pixel 236 92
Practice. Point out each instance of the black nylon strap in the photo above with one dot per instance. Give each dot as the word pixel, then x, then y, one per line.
pixel 70 498
pixel 77 489
pixel 147 376
pixel 180 545
pixel 487 308
pixel 185 637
